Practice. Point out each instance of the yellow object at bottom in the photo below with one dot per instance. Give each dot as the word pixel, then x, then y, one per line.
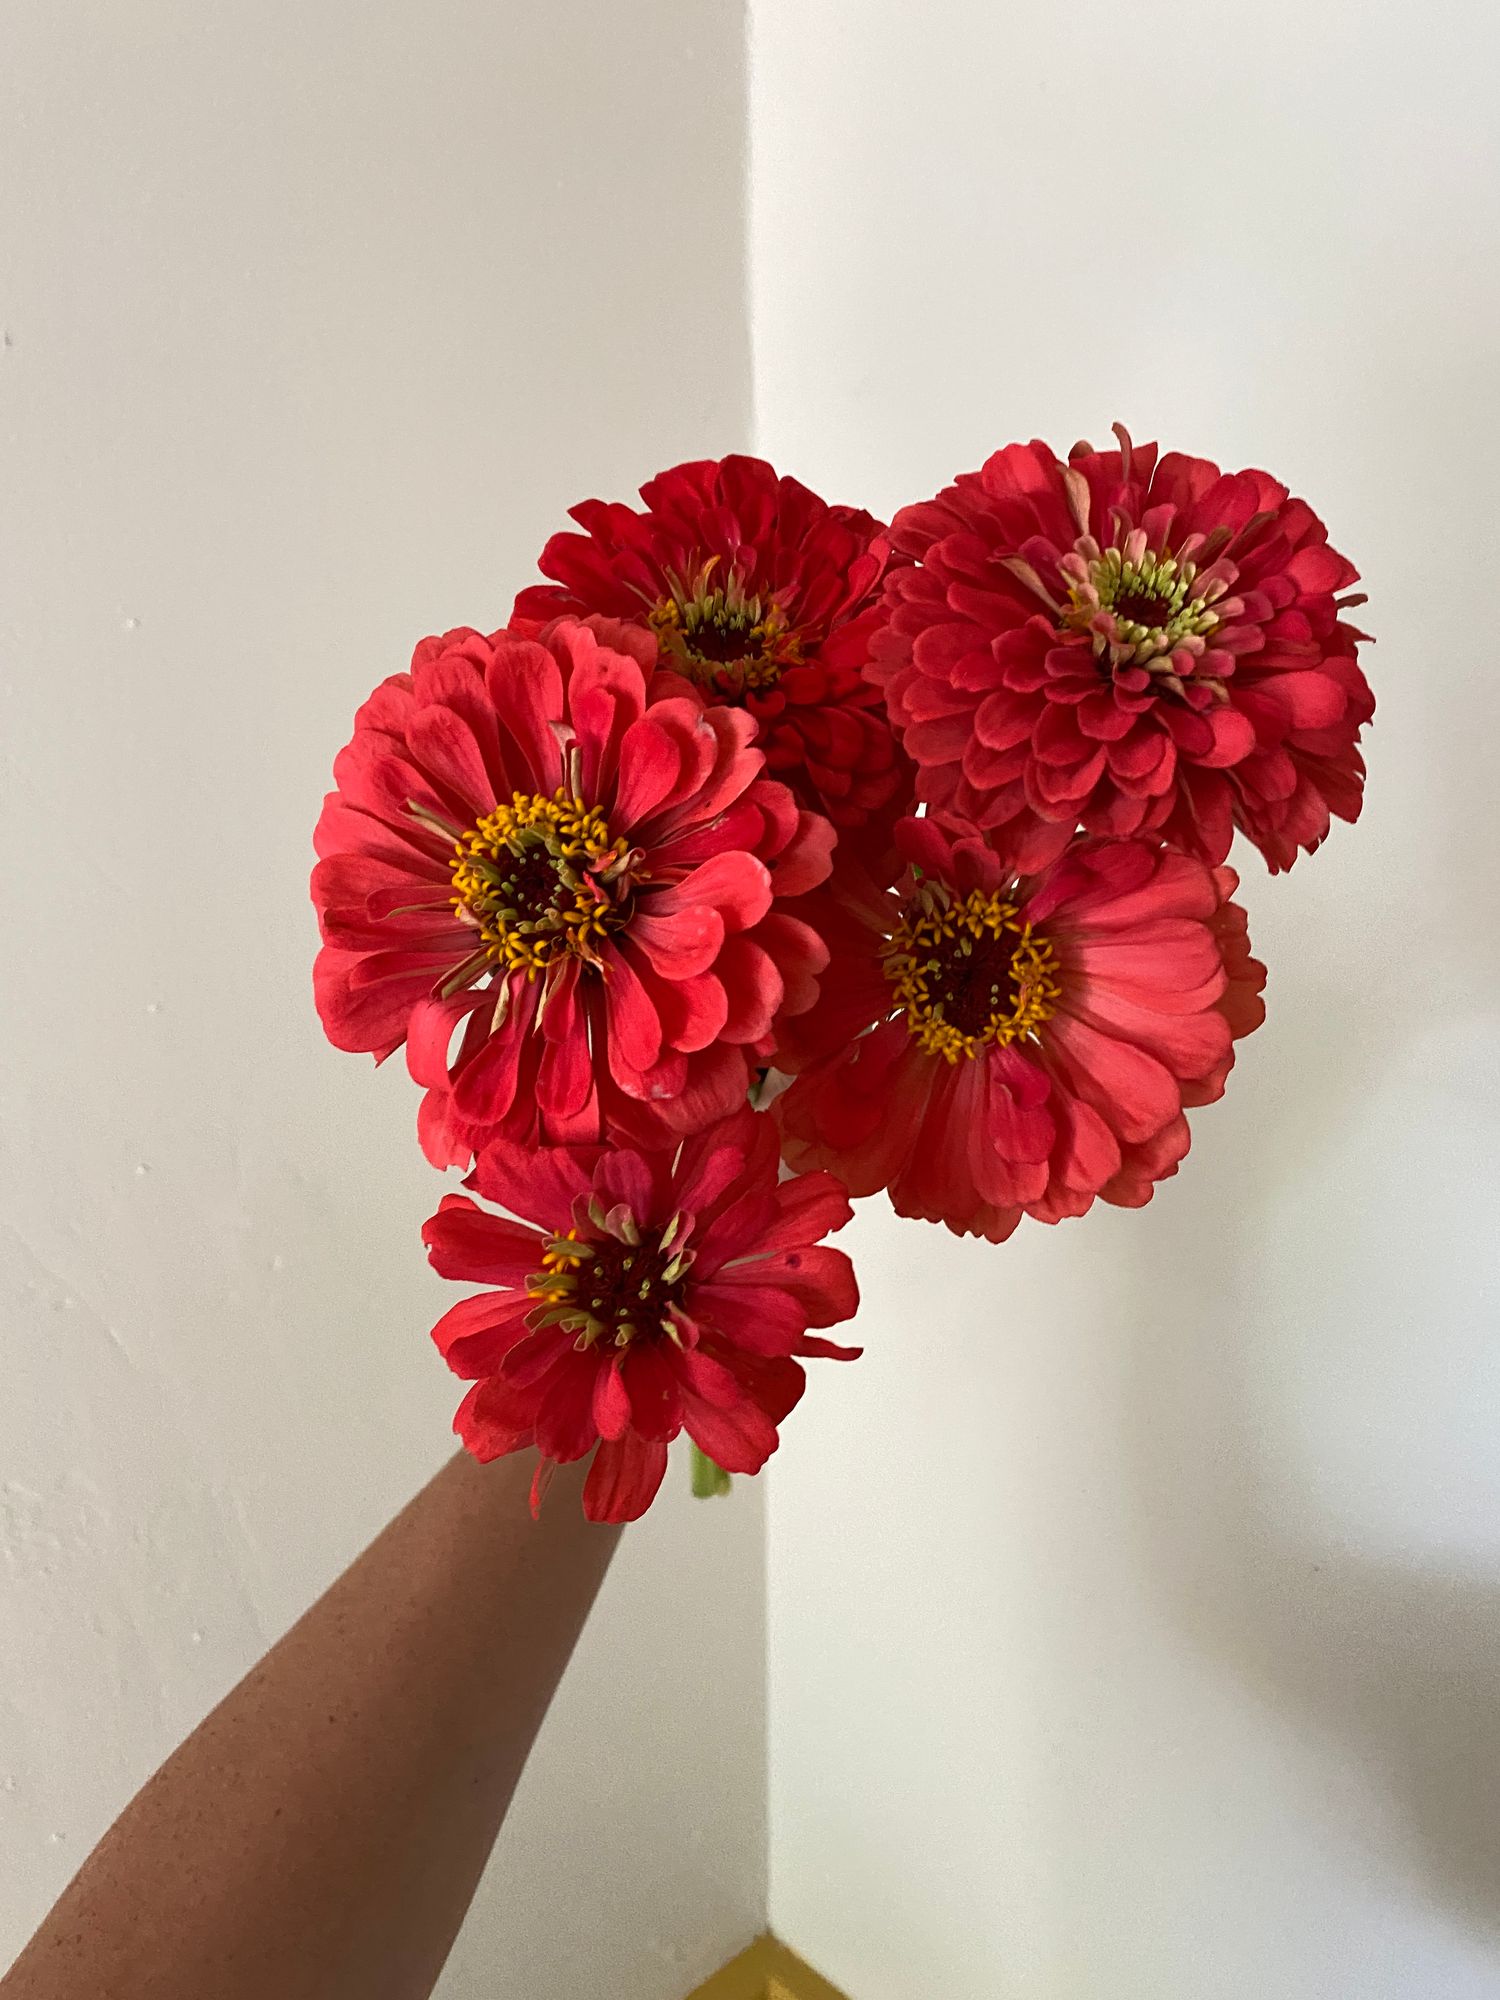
pixel 767 1971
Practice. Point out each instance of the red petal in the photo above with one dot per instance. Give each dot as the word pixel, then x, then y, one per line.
pixel 761 1320
pixel 1134 1093
pixel 799 955
pixel 606 695
pixel 740 1439
pixel 803 1209
pixel 464 1242
pixel 624 1479
pixel 565 1426
pixel 715 1162
pixel 444 745
pixel 446 1140
pixel 754 989
pixel 429 1036
pixel 737 885
pixel 706 1378
pixel 650 768
pixel 693 1011
pixel 475 1335
pixel 680 944
pixel 484 1087
pixel 371 1020
pixel 611 1406
pixel 492 1421
pixel 565 1078
pixel 819 1278
pixel 1233 739
pixel 540 1184
pixel 634 1024
pixel 636 1179
pixel 807 859
pixel 655 1406
pixel 525 684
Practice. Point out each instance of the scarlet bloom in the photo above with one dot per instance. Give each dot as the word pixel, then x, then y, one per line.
pixel 641 1295
pixel 759 594
pixel 1133 645
pixel 988 1046
pixel 584 888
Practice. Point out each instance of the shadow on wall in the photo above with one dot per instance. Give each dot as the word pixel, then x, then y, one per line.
pixel 1311 1426
pixel 1310 1432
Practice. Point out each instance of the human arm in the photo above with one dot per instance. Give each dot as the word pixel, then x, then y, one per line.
pixel 320 1835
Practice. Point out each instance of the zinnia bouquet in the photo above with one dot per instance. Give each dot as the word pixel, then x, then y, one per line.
pixel 927 821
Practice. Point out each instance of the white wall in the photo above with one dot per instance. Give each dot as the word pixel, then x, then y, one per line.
pixel 316 317
pixel 1136 1602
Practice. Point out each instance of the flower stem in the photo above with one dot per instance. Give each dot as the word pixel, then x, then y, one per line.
pixel 709 1480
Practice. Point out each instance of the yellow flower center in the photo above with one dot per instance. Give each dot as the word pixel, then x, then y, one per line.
pixel 540 877
pixel 969 971
pixel 722 636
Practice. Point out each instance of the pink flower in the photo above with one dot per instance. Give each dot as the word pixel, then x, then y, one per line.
pixel 583 888
pixel 641 1295
pixel 762 596
pixel 1130 645
pixel 987 1046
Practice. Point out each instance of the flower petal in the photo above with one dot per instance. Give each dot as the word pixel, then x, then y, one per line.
pixel 493 1421
pixel 475 1335
pixel 681 943
pixel 611 1405
pixel 624 1479
pixel 464 1241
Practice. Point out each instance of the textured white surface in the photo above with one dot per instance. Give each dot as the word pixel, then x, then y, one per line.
pixel 1135 1604
pixel 315 319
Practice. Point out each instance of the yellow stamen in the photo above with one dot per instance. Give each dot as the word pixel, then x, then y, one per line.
pixel 557 1258
pixel 537 878
pixel 553 1284
pixel 974 958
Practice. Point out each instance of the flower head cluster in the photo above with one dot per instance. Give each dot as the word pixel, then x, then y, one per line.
pixel 599 872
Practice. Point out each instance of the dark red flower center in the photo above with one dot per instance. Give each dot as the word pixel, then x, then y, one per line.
pixel 540 877
pixel 1142 608
pixel 608 1282
pixel 969 971
pixel 725 638
pixel 730 641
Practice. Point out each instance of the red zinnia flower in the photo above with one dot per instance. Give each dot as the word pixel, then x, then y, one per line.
pixel 583 885
pixel 658 1292
pixel 762 596
pixel 987 1047
pixel 1131 645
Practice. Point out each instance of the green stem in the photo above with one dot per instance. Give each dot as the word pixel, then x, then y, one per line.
pixel 709 1480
